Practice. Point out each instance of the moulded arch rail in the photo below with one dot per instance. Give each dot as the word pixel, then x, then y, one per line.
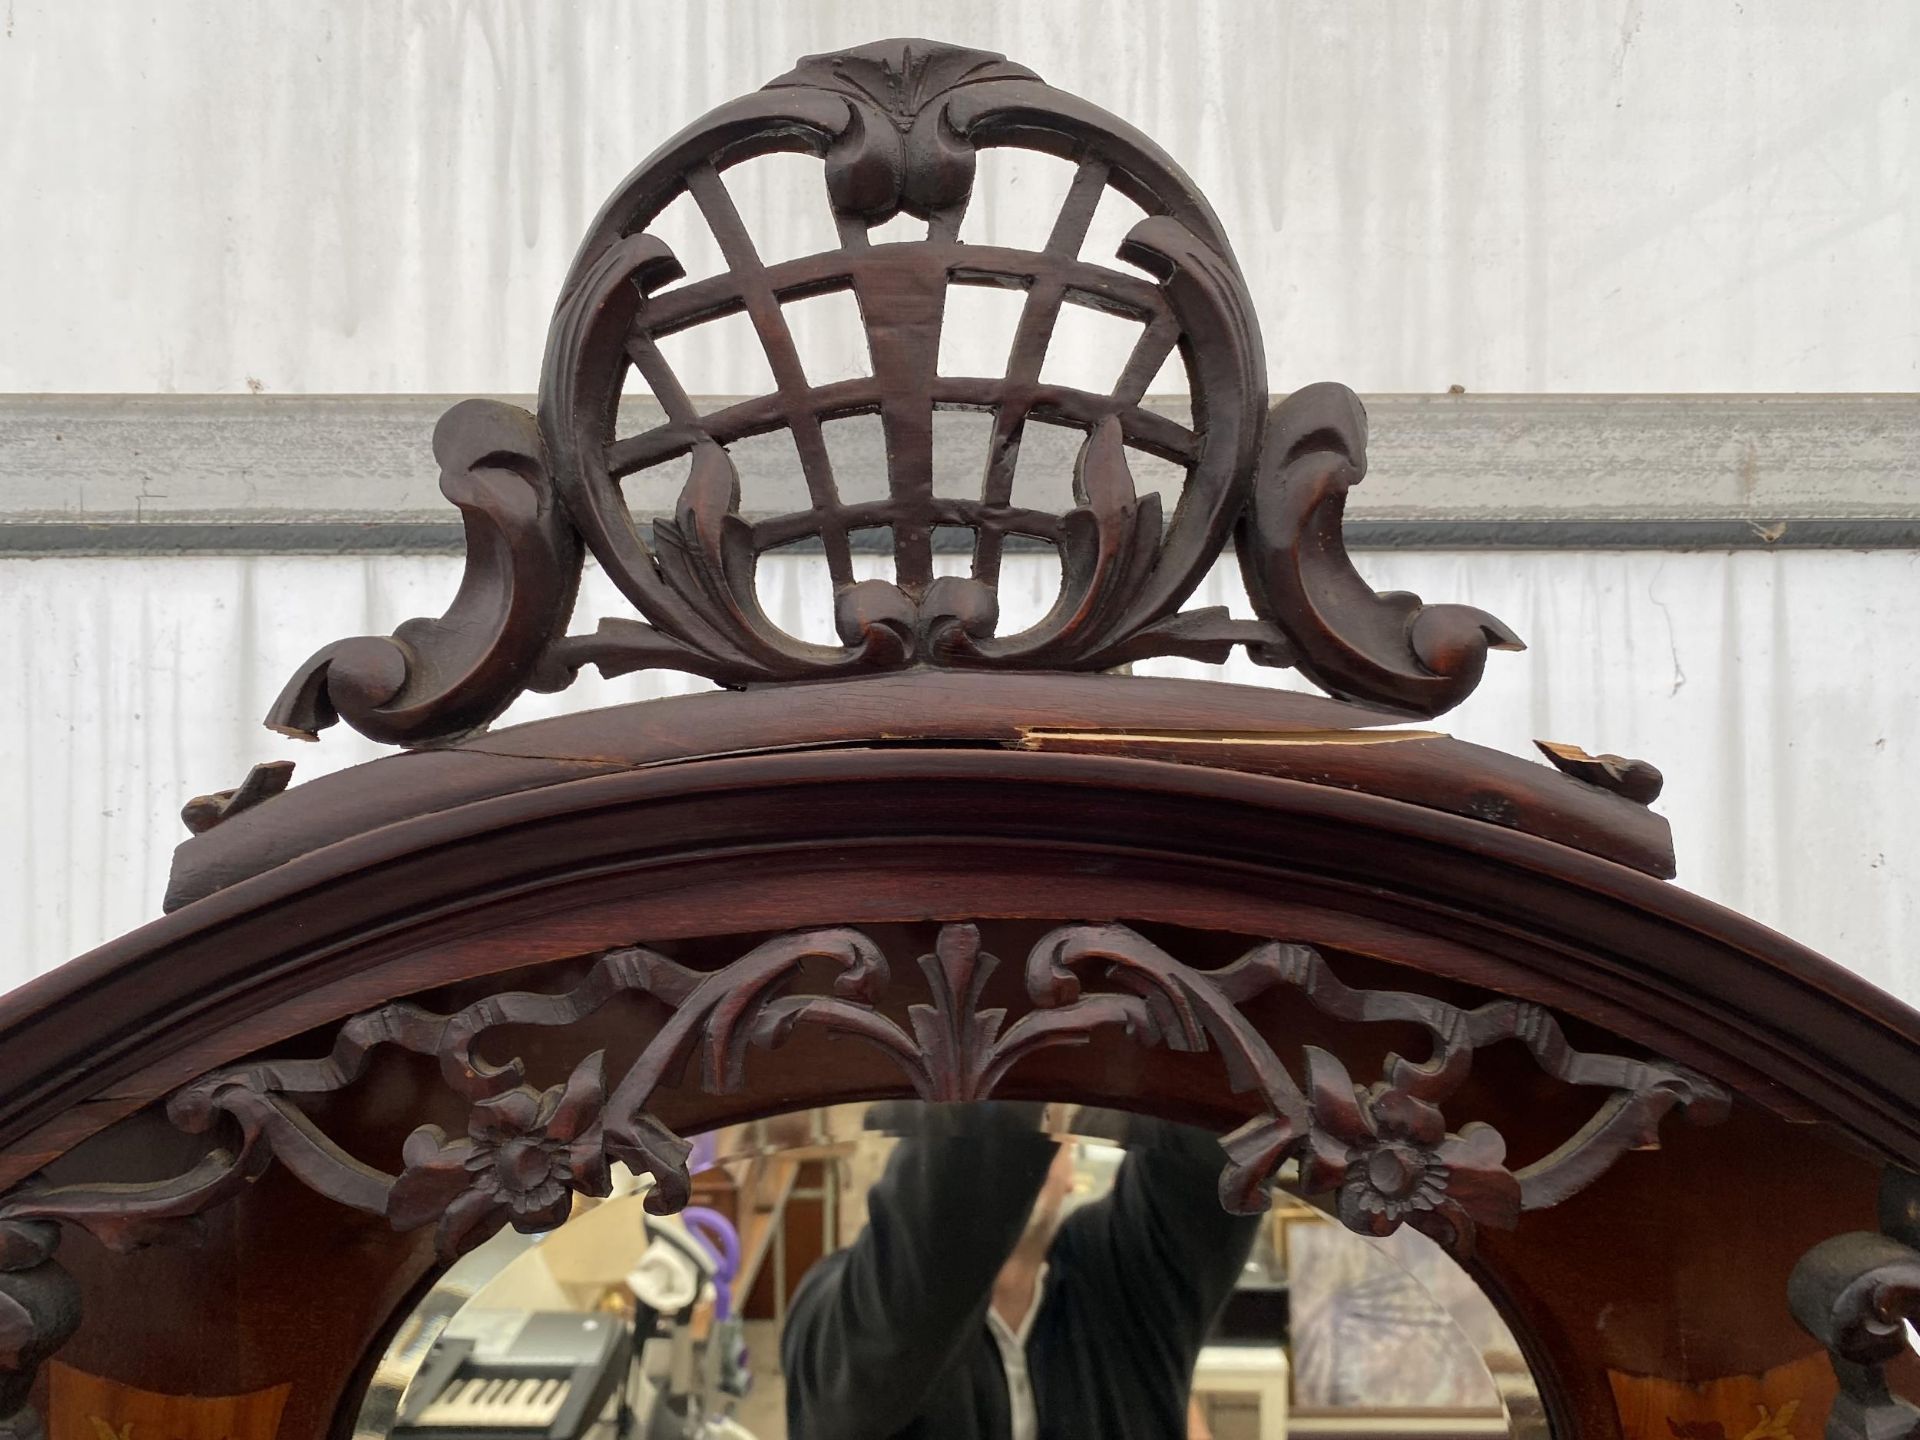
pixel 955 862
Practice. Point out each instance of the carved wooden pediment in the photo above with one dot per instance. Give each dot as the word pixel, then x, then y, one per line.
pixel 899 125
pixel 395 1009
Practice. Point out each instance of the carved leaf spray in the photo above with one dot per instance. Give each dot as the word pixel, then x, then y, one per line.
pixel 1384 1151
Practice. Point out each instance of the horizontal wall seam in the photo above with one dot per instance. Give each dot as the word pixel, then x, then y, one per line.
pixel 354 474
pixel 42 540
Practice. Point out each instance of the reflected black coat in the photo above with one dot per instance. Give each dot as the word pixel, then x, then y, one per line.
pixel 889 1337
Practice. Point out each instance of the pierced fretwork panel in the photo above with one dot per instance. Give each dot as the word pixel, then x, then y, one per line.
pixel 1386 1149
pixel 1064 318
pixel 882 303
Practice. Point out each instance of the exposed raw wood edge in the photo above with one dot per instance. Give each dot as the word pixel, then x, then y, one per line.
pixel 1040 737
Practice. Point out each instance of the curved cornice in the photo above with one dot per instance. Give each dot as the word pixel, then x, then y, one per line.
pixel 869 833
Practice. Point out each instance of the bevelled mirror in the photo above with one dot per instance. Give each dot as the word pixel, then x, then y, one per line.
pixel 872 1269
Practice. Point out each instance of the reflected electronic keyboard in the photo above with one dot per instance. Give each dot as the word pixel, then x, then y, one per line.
pixel 548 1375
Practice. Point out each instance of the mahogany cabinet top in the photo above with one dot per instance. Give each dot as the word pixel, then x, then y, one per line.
pixel 1201 863
pixel 926 720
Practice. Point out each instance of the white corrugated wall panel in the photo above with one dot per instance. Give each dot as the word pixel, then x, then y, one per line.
pixel 383 195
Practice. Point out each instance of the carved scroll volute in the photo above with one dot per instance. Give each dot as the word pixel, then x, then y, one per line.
pixel 901 149
pixel 580 387
pixel 1123 578
pixel 1854 1294
pixel 1382 649
pixel 1228 363
pixel 39 1310
pixel 898 126
pixel 438 679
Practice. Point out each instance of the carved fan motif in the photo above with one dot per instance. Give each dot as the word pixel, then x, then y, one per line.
pixel 898 126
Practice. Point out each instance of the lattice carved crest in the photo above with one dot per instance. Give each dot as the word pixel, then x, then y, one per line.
pixel 898 126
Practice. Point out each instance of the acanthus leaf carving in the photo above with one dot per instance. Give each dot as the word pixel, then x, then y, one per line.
pixel 439 679
pixel 956 1035
pixel 1389 650
pixel 898 125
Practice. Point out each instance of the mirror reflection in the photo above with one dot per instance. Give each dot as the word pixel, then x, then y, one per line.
pixel 989 1270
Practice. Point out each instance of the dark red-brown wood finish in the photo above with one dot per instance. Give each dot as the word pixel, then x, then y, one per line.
pixel 394 1009
pixel 898 125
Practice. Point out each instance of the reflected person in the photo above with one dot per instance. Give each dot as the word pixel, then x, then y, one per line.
pixel 972 1306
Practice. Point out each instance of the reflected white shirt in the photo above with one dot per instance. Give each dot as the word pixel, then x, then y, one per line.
pixel 1012 1343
